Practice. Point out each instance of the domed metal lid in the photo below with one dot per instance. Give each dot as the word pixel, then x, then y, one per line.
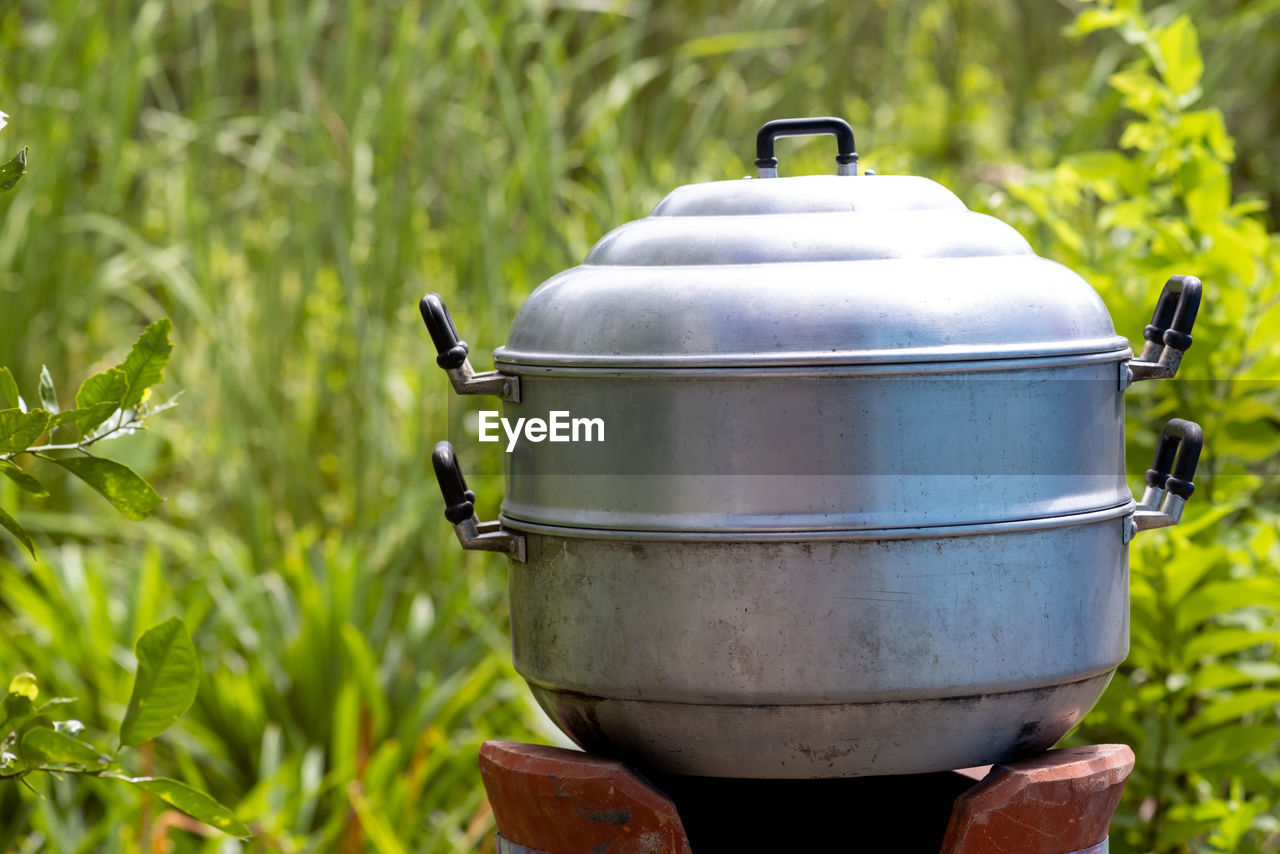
pixel 813 270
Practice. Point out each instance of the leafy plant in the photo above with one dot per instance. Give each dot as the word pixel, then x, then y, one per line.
pixel 12 171
pixel 1198 695
pixel 286 197
pixel 164 687
pixel 108 405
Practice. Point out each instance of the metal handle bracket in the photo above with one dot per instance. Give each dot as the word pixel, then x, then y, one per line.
pixel 467 381
pixel 475 535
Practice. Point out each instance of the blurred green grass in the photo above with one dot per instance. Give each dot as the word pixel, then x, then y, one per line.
pixel 284 179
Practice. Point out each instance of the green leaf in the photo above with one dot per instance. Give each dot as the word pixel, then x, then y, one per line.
pixel 1221 597
pixel 1218 677
pixel 194 803
pixel 1099 165
pixel 1228 744
pixel 19 430
pixel 144 366
pixel 18 710
pixel 69 727
pixel 118 483
pixel 48 395
pixel 10 764
pixel 375 824
pixel 1090 20
pixel 55 701
pixel 25 685
pixel 364 664
pixel 50 746
pixel 9 389
pixel 1234 707
pixel 91 417
pixel 165 685
pixel 98 397
pixel 24 480
pixel 1180 48
pixel 11 524
pixel 1142 93
pixel 1220 640
pixel 12 172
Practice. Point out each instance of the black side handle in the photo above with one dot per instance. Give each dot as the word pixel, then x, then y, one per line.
pixel 459 502
pixel 825 125
pixel 1175 313
pixel 1161 318
pixel 1177 454
pixel 450 348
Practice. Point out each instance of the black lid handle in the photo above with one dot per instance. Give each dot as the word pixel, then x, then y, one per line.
pixel 846 153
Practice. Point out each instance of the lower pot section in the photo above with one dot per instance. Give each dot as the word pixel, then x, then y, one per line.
pixel 839 655
pixel 838 740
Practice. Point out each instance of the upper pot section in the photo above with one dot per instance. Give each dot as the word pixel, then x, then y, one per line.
pixel 829 270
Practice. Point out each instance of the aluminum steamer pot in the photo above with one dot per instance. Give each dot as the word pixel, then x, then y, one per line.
pixel 860 506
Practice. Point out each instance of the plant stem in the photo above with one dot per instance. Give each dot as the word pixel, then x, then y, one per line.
pixel 134 423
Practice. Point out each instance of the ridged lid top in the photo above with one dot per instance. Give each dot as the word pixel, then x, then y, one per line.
pixel 830 270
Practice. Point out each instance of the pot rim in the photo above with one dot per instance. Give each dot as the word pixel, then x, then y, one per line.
pixel 1120 511
pixel 848 363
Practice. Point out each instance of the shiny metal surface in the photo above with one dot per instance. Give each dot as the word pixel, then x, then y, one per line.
pixel 826 449
pixel 805 237
pixel 861 506
pixel 1101 848
pixel 808 194
pixel 823 658
pixel 480 536
pixel 889 269
pixel 906 310
pixel 824 741
pixel 466 380
pixel 943 532
pixel 502 845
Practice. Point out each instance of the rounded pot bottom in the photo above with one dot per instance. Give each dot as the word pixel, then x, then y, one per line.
pixel 830 740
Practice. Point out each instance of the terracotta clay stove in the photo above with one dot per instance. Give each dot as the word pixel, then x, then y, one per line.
pixel 547 800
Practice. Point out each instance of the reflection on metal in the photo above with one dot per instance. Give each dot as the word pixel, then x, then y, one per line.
pixel 859 656
pixel 490 537
pixel 466 380
pixel 1161 365
pixel 1101 848
pixel 1158 509
pixel 506 846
